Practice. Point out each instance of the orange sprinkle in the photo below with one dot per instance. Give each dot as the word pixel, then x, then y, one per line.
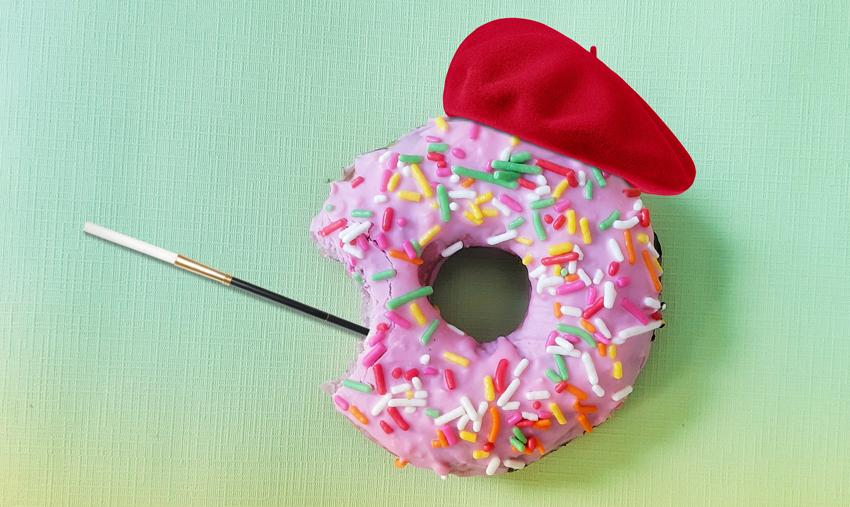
pixel 526 450
pixel 494 430
pixel 630 248
pixel 571 278
pixel 395 254
pixel 649 267
pixel 557 307
pixel 467 182
pixel 585 423
pixel 514 449
pixel 400 463
pixel 542 424
pixel 575 391
pixel 358 415
pixel 442 437
pixel 601 348
pixel 587 325
pixel 584 409
pixel 436 443
pixel 540 448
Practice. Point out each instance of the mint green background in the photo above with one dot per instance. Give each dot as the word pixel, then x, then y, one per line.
pixel 212 130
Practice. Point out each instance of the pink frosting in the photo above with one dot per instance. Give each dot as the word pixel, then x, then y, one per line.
pixel 400 347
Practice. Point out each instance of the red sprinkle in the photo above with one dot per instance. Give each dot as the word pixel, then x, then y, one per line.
pixel 488 446
pixel 547 218
pixel 432 155
pixel 398 419
pixel 409 374
pixel 531 444
pixel 450 380
pixel 386 427
pixel 396 373
pixel 499 380
pixel 643 215
pixel 380 386
pixel 526 184
pixel 591 310
pixel 383 327
pixel 613 268
pixel 332 227
pixel 655 315
pixel 560 386
pixel 557 169
pixel 387 220
pixel 559 259
pixel 525 423
pixel 442 164
pixel 559 222
pixel 356 181
pixel 536 405
pixel 631 192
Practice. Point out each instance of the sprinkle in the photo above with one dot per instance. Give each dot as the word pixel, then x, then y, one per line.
pixel 542 203
pixel 417 314
pixel 471 437
pixel 462 194
pixel 623 281
pixel 571 222
pixel 597 175
pixel 353 250
pixel 584 409
pixel 428 236
pixel 441 440
pixel 429 332
pixel 622 393
pixel 357 181
pixel 606 224
pixel 577 331
pixel 592 377
pixel 585 423
pixel 493 466
pixel 433 413
pixel 437 147
pixel 524 241
pixel 494 429
pixel 350 234
pixel 371 358
pixel 627 236
pixel 571 311
pixel 584 278
pixel 617 371
pixel 512 463
pixel 521 367
pixel 332 227
pixel 587 325
pixel 399 402
pixel 556 307
pixel 449 434
pixel 538 226
pixel 383 275
pixel 409 196
pixel 631 192
pixel 382 404
pixel 393 182
pixel 634 310
pixel 340 402
pixel 476 454
pixel 562 368
pixel 612 351
pixel 651 270
pixel 538 395
pixel 441 124
pixel 397 319
pixel 357 386
pixel 509 392
pixel 527 259
pixel 380 199
pixel 329 208
pixel 499 382
pixel 466 183
pixel 582 178
pixel 395 254
pixel 469 216
pixel 626 224
pixel 410 159
pixel 642 238
pixel 394 303
pixel 556 411
pixel 358 415
pixel 470 410
pixel 380 385
pixel 501 238
pixel 517 443
pixel 643 216
pixel 521 157
pixel 489 391
pixel 538 272
pixel 482 176
pixel 452 249
pixel 421 181
pixel 514 167
pixel 449 416
pixel 588 190
pixel 451 356
pixel 512 405
pixel 399 463
pixel 585 231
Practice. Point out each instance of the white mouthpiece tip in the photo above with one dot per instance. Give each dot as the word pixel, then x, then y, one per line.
pixel 131 243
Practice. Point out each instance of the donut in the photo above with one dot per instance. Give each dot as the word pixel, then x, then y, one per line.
pixel 421 388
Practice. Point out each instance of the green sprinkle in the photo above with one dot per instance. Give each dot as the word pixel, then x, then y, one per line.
pixel 520 436
pixel 482 176
pixel 433 413
pixel 438 147
pixel 597 175
pixel 357 386
pixel 518 445
pixel 538 226
pixel 542 203
pixel 410 159
pixel 553 376
pixel 521 157
pixel 394 303
pixel 581 333
pixel 516 223
pixel 443 200
pixel 329 207
pixel 426 336
pixel 358 278
pixel 506 175
pixel 562 368
pixel 608 222
pixel 416 247
pixel 588 190
pixel 517 168
pixel 565 271
pixel 383 275
pixel 361 213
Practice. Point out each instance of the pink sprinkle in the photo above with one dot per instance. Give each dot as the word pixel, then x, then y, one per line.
pixel 570 287
pixel 392 162
pixel 341 403
pixel 385 180
pixel 449 434
pixel 489 167
pixel 514 419
pixel 397 319
pixel 373 355
pixel 356 181
pixel 623 281
pixel 543 414
pixel 383 244
pixel 362 243
pixel 550 341
pixel 601 338
pixel 409 250
pixel 432 139
pixel 457 152
pixel 377 338
pixel 561 206
pixel 509 202
pixel 473 131
pixel 401 221
pixel 591 296
pixel 634 310
pixel 572 338
pixel 443 172
pixel 429 371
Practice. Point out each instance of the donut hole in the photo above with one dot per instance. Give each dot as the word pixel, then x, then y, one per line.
pixel 484 291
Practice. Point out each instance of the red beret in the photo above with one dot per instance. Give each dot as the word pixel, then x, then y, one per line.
pixel 524 78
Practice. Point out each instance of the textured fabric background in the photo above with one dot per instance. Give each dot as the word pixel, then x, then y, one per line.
pixel 212 129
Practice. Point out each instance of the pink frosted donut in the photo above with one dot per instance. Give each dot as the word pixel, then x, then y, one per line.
pixel 432 395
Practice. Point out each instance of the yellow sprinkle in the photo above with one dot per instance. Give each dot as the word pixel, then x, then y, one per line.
pixel 527 259
pixel 411 196
pixel 489 393
pixel 420 179
pixel 642 238
pixel 417 314
pixel 657 267
pixel 612 351
pixel 434 205
pixel 393 182
pixel 556 411
pixel 478 454
pixel 472 219
pixel 441 124
pixel 524 241
pixel 428 236
pixel 456 359
pixel 481 199
pixel 490 212
pixel 514 140
pixel 560 248
pixel 562 186
pixel 476 211
pixel 585 231
pixel 618 370
pixel 571 221
pixel 408 394
pixel 556 270
pixel 468 436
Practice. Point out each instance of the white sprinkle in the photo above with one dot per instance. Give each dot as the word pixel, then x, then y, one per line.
pixel 399 164
pixel 463 194
pixel 404 402
pixel 564 344
pixel 420 395
pixel 482 409
pixel 571 267
pixel 409 410
pixel 453 206
pixel 400 388
pixel 456 330
pixel 552 291
pixel 387 154
pixel 530 416
pixel 452 249
pixel 506 154
pixel 382 404
pixel 405 170
pixel 506 211
pixel 470 410
pixel 582 178
pixel 349 234
pixel 512 463
pixel 652 302
pixel 577 249
pixel 521 367
pixel 493 465
pixel 609 295
pixel 454 178
pixel 542 190
pixel 592 377
pixel 380 198
pixel 444 477
pixel 584 277
pixel 636 330
pixel 597 389
pixel 614 248
pixel 541 180
pixel 537 272
pixel 602 327
pixel 549 281
pixel 449 416
pixel 532 197
pixel 626 224
pixel 572 311
pixel 353 250
pixel 514 405
pixel 651 248
pixel 501 238
pixel 417 384
pixel 622 393
pixel 462 422
pixel 425 359
pixel 509 391
pixel 553 349
pixel 598 277
pixel 537 395
pixel 638 205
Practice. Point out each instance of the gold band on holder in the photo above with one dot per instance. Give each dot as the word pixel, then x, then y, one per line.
pixel 202 269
